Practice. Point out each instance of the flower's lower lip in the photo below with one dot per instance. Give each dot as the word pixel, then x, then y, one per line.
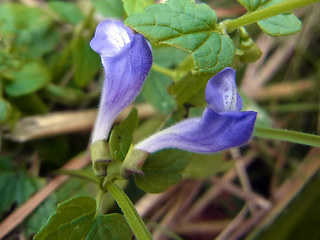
pixel 219 128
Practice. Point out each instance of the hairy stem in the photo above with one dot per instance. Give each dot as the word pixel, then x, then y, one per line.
pixel 274 10
pixel 287 135
pixel 130 213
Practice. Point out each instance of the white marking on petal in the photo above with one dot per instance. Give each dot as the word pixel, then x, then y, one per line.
pixel 229 95
pixel 117 36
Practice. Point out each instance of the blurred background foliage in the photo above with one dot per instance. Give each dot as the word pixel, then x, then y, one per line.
pixel 47 66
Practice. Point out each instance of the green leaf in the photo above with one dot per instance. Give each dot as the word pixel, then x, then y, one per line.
pixel 203 166
pixel 67 11
pixel 283 24
pixel 72 220
pixel 53 151
pixel 196 111
pixel 189 26
pixel 32 77
pixel 190 89
pixel 77 186
pixel 252 5
pixel 5 111
pixel 109 8
pixel 6 163
pixel 121 136
pixel 148 127
pixel 167 56
pixel 23 187
pixel 18 27
pixel 155 88
pixel 9 115
pixel 135 6
pixel 86 63
pixel 30 104
pixel 184 67
pixel 65 95
pixel 161 170
pixel 155 92
pixel 41 45
pixel 18 18
pixel 112 227
pixel 40 215
pixel 8 61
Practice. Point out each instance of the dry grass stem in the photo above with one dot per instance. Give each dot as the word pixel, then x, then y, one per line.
pixel 247 225
pixel 243 177
pixel 233 224
pixel 35 127
pixel 202 202
pixel 250 196
pixel 260 72
pixel 280 161
pixel 207 227
pixel 293 185
pixel 183 198
pixel 283 90
pixel 169 216
pixel 285 194
pixel 265 43
pixel 147 202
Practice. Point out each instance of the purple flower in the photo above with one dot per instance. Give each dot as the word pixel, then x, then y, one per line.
pixel 127 59
pixel 221 125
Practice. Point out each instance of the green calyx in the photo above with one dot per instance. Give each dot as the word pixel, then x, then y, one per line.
pixel 100 157
pixel 133 162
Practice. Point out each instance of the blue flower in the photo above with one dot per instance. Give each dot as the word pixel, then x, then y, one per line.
pixel 127 59
pixel 221 125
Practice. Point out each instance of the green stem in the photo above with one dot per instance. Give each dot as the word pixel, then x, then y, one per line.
pixel 165 71
pixel 1 88
pixel 274 10
pixel 132 216
pixel 287 135
pixel 99 198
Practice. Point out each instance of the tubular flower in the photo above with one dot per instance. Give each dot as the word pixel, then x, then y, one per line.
pixel 127 59
pixel 221 125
